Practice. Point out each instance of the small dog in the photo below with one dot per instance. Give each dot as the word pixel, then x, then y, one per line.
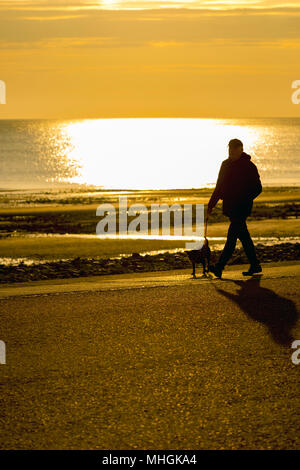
pixel 200 256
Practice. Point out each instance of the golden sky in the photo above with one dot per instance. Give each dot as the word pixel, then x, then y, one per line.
pixel 90 58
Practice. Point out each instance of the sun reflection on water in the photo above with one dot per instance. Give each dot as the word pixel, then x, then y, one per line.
pixel 152 153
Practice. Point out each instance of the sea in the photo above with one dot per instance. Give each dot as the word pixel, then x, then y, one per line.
pixel 142 153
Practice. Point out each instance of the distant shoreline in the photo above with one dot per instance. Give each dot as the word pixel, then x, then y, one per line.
pixel 70 187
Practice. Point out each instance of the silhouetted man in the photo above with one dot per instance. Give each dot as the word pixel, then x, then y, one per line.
pixel 238 184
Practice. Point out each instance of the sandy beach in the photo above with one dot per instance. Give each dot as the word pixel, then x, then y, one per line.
pixel 39 230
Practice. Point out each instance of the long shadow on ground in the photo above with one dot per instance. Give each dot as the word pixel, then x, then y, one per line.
pixel 265 306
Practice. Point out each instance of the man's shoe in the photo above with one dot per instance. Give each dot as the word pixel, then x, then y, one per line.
pixel 253 270
pixel 216 270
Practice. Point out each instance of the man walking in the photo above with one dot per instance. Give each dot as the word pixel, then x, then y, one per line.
pixel 238 184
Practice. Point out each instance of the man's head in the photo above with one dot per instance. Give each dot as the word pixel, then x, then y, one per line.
pixel 235 148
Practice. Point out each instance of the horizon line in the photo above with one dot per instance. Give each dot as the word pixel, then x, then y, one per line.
pixel 144 117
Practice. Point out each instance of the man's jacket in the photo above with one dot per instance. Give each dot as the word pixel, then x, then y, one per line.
pixel 238 184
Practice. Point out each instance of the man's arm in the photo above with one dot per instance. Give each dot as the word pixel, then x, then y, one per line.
pixel 216 195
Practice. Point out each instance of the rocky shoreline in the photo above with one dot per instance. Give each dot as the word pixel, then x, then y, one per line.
pixel 81 267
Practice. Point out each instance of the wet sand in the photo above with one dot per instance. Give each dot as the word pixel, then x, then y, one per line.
pixel 33 226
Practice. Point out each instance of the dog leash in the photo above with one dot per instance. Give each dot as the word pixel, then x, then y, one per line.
pixel 205 228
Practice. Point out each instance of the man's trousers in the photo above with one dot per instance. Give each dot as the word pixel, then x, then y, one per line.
pixel 238 230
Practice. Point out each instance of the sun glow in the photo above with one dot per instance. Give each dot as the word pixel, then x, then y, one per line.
pixel 110 4
pixel 188 4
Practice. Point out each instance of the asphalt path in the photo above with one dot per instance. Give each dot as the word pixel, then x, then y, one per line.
pixel 152 361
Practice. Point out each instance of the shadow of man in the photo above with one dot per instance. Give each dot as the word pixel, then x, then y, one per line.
pixel 265 306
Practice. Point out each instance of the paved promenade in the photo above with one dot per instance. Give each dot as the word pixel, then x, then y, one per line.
pixel 152 361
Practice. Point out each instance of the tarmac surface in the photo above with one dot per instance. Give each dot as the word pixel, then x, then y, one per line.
pixel 152 361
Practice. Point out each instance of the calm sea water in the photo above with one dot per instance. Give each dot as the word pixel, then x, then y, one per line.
pixel 143 153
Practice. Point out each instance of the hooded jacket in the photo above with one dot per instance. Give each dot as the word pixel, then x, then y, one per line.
pixel 237 185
